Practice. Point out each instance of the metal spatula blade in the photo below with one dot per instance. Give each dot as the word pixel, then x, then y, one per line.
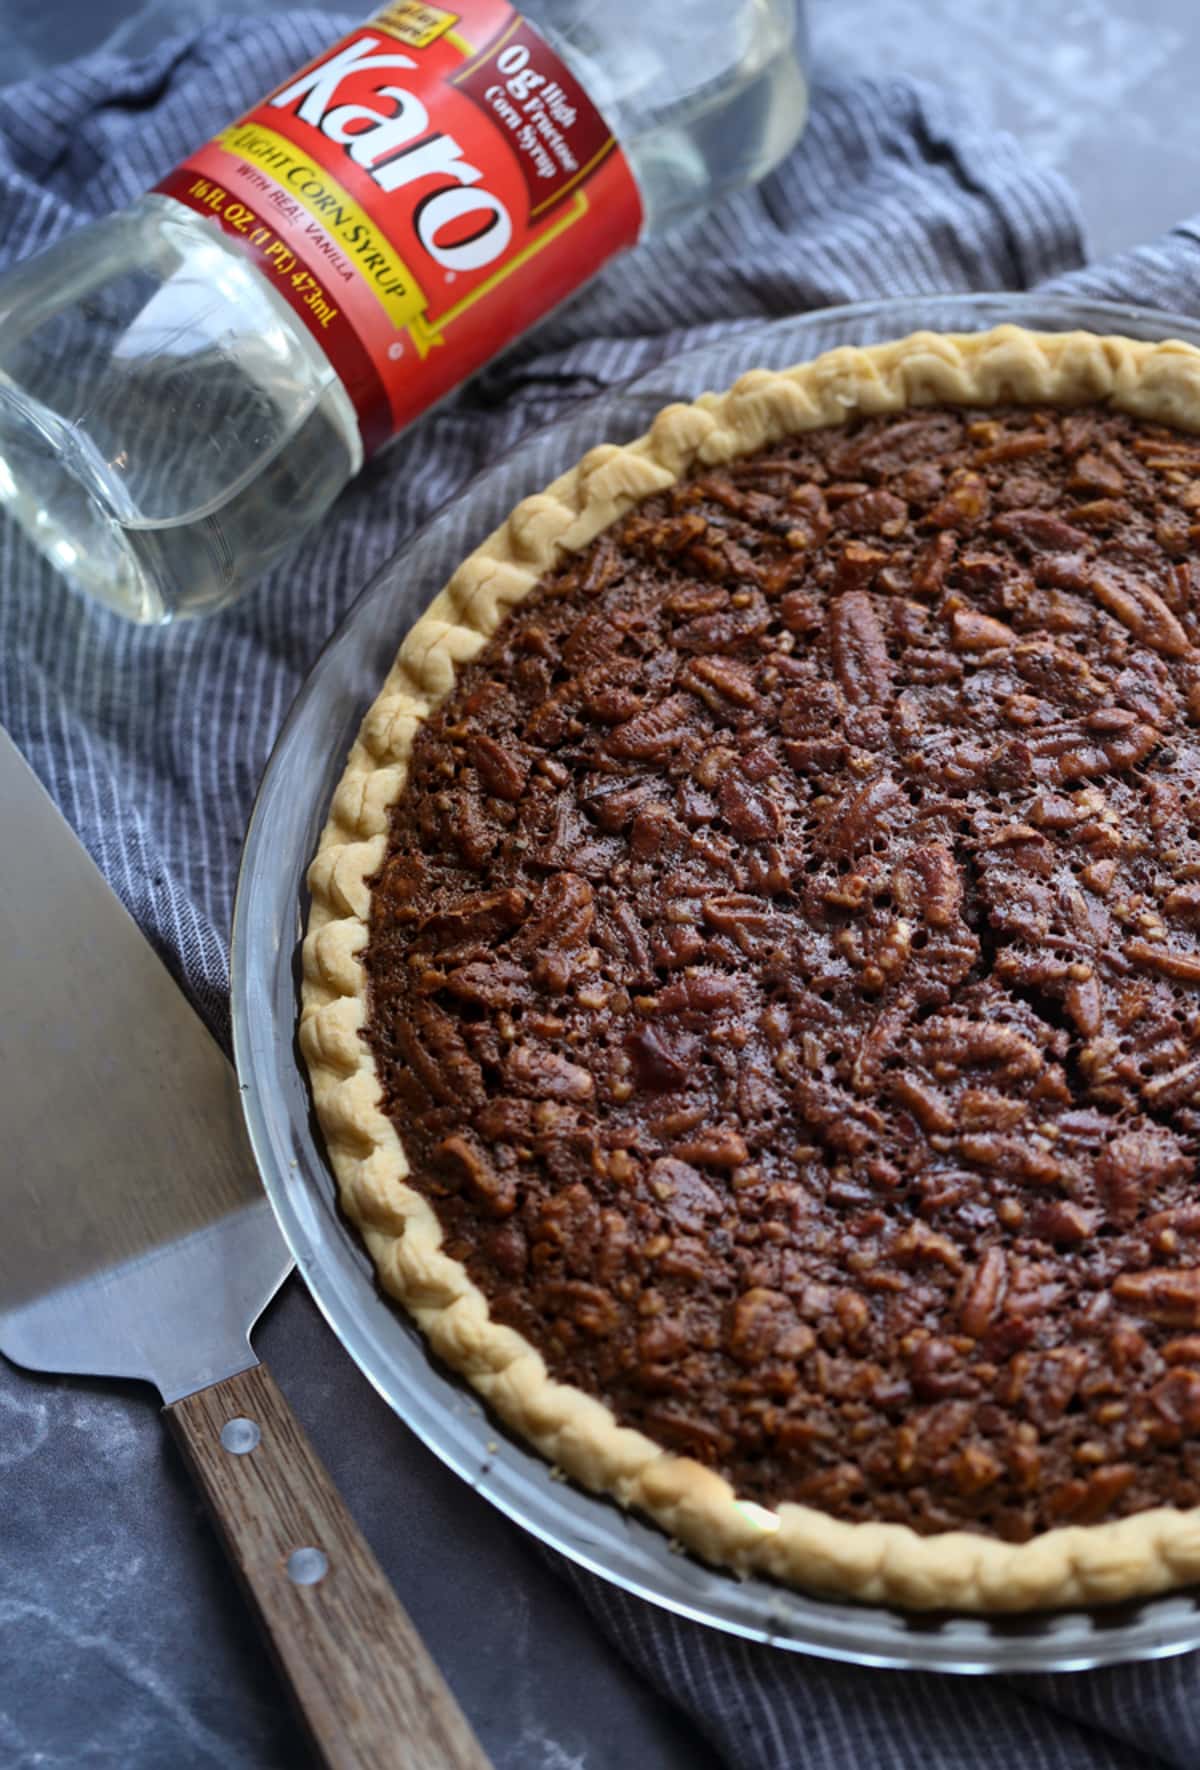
pixel 135 1241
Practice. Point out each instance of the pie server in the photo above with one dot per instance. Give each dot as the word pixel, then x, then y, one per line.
pixel 137 1242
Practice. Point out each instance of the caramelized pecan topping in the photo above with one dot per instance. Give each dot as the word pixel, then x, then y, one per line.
pixel 785 973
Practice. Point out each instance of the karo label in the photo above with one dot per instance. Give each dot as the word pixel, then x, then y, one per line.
pixel 420 195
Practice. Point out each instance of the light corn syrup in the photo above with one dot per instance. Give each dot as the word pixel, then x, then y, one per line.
pixel 168 427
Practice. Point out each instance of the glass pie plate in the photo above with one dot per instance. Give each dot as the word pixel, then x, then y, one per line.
pixel 268 925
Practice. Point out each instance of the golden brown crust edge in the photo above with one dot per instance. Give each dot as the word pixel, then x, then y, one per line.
pixel 878 1563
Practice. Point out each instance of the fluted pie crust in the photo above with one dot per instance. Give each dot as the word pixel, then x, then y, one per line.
pixel 877 1562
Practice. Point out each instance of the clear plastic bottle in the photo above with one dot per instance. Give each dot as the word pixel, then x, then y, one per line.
pixel 169 428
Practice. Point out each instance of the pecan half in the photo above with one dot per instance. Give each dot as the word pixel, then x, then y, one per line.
pixel 1171 1297
pixel 860 655
pixel 1141 609
pixel 986 1293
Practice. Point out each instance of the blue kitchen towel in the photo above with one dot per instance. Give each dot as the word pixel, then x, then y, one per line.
pixel 152 741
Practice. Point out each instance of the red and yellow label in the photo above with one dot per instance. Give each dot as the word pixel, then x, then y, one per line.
pixel 420 195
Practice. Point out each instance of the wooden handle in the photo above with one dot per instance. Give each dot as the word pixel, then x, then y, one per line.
pixel 361 1677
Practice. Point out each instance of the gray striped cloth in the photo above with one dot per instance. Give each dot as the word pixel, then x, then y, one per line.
pixel 152 741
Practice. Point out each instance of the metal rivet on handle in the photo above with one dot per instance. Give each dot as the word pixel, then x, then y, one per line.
pixel 305 1567
pixel 239 1437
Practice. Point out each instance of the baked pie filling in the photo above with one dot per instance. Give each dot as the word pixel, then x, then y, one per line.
pixel 784 970
pixel 751 985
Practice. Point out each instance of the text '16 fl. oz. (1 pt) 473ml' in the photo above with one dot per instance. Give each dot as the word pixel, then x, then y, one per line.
pixel 187 385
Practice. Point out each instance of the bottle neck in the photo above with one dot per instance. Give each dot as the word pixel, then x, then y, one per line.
pixel 699 116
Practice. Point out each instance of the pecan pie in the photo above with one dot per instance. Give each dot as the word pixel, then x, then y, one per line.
pixel 752 988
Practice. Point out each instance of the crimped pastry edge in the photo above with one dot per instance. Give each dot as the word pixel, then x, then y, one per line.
pixel 874 1562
